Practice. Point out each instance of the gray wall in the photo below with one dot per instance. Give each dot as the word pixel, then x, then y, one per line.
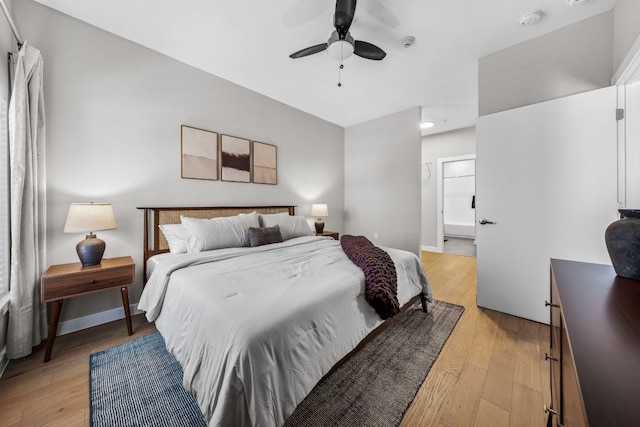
pixel 567 61
pixel 448 144
pixel 114 111
pixel 626 29
pixel 382 180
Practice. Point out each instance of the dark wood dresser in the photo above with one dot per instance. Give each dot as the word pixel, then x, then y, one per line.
pixel 595 346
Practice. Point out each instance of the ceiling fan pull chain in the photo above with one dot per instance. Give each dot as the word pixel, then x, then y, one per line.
pixel 340 67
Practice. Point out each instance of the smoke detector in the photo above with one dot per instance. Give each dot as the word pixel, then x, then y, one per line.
pixel 575 2
pixel 407 41
pixel 531 18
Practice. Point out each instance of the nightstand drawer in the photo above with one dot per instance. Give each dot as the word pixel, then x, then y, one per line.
pixel 65 286
pixel 64 281
pixel 333 234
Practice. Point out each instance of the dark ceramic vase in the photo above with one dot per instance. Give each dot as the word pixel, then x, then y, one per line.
pixel 623 243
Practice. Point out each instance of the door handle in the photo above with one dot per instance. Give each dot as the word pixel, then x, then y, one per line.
pixel 484 221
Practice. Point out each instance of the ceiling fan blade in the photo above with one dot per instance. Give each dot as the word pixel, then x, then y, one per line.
pixel 368 51
pixel 345 9
pixel 309 51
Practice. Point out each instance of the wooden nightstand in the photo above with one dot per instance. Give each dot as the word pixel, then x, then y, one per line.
pixel 333 234
pixel 64 281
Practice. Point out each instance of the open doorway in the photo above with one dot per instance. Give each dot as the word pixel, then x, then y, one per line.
pixel 456 201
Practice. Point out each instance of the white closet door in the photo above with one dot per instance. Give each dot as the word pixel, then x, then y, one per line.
pixel 459 188
pixel 546 174
pixel 633 145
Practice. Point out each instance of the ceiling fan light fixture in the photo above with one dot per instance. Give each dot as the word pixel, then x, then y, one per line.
pixel 341 45
pixel 340 50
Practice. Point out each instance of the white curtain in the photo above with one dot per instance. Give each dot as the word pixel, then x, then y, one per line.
pixel 27 315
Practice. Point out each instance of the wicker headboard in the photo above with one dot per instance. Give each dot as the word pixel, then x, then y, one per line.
pixel 154 241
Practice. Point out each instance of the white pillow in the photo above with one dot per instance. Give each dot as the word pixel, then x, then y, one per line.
pixel 219 233
pixel 290 226
pixel 176 236
pixel 268 216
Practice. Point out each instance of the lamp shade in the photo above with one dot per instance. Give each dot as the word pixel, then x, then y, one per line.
pixel 319 210
pixel 83 217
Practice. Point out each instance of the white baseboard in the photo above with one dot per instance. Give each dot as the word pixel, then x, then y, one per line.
pixel 431 249
pixel 95 319
pixel 460 236
pixel 460 230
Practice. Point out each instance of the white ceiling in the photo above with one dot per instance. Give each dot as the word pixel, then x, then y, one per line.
pixel 248 42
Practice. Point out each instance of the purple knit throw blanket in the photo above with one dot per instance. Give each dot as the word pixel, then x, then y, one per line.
pixel 381 281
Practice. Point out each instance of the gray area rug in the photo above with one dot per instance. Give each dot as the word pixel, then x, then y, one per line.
pixel 140 384
pixel 377 385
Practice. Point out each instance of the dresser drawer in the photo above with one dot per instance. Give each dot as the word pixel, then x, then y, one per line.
pixel 598 329
pixel 84 282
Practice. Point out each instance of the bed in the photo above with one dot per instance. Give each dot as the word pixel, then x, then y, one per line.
pixel 256 328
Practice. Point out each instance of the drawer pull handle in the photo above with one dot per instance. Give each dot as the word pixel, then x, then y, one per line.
pixel 93 281
pixel 547 357
pixel 548 304
pixel 550 411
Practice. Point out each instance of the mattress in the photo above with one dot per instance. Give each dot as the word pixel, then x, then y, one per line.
pixel 255 329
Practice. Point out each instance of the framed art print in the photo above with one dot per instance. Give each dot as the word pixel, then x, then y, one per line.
pixel 199 153
pixel 265 163
pixel 235 156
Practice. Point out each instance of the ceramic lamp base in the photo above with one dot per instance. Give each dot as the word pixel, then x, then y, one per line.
pixel 319 226
pixel 90 250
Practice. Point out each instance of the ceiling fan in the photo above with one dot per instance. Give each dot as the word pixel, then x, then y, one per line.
pixel 341 44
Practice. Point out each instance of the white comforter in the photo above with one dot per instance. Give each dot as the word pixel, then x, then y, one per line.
pixel 255 329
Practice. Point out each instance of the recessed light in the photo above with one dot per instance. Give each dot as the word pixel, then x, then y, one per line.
pixel 427 125
pixel 575 2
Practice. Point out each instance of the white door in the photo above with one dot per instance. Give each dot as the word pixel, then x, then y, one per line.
pixel 546 175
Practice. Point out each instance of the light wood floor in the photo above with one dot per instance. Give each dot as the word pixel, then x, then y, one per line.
pixel 34 393
pixel 491 371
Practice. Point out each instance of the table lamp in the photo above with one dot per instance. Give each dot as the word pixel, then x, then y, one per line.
pixel 90 217
pixel 319 210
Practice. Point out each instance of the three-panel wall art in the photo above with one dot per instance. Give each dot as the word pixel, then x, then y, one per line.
pixel 208 155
